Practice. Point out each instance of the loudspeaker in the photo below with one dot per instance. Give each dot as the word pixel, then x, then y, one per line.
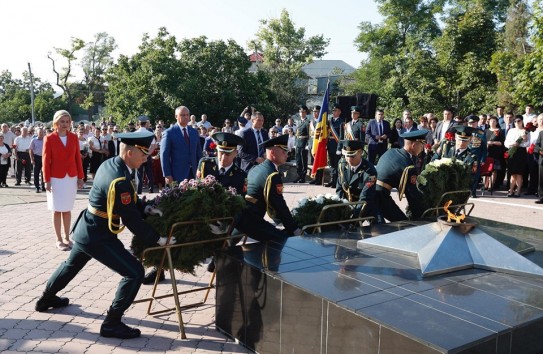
pixel 368 102
pixel 346 102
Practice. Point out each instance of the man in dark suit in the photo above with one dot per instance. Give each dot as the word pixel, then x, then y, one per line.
pixel 443 126
pixel 302 139
pixel 180 149
pixel 336 124
pixel 95 234
pixel 377 131
pixel 252 153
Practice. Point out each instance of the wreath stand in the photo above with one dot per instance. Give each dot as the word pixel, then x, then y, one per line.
pixel 464 206
pixel 316 228
pixel 167 256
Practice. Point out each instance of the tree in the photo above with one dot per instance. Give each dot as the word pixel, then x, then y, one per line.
pixel 286 49
pixel 64 74
pixel 95 63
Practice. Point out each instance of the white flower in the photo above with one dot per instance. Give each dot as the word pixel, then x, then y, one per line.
pixel 320 199
pixel 302 202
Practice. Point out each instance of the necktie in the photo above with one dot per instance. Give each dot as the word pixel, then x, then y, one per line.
pixel 380 128
pixel 458 152
pixel 186 136
pixel 259 142
pixel 221 171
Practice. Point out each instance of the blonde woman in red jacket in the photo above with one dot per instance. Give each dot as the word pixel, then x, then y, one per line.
pixel 62 173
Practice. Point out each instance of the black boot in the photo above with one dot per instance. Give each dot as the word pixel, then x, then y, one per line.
pixel 151 276
pixel 47 301
pixel 114 328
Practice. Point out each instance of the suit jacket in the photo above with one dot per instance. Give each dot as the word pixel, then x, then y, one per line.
pixel 249 152
pixel 372 131
pixel 538 148
pixel 176 157
pixel 439 128
pixel 59 160
pixel 113 150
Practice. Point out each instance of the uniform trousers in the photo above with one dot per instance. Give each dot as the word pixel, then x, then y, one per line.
pixel 38 161
pixel 146 168
pixel 301 162
pixel 23 156
pixel 386 205
pixel 112 254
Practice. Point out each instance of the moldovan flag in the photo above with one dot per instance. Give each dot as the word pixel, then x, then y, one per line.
pixel 320 139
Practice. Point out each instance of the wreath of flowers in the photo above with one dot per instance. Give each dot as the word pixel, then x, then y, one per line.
pixel 308 210
pixel 441 176
pixel 191 200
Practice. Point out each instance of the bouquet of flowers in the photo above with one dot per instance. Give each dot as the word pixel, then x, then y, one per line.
pixel 441 176
pixel 308 210
pixel 513 149
pixel 191 200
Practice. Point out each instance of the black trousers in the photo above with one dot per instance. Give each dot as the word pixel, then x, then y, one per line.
pixel 23 164
pixel 146 168
pixel 38 161
pixel 385 204
pixel 333 160
pixel 4 173
pixel 301 162
pixel 113 255
pixel 376 150
pixel 540 186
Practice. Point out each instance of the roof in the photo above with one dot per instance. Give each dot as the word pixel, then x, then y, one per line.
pixel 256 57
pixel 323 68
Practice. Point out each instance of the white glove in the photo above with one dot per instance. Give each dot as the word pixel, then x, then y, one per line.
pixel 149 210
pixel 218 228
pixel 163 240
pixel 338 152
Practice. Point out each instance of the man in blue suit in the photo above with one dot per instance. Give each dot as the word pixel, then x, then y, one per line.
pixel 180 149
pixel 377 131
pixel 252 153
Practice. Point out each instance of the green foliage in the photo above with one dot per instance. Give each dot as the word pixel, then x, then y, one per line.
pixel 178 205
pixel 441 176
pixel 308 211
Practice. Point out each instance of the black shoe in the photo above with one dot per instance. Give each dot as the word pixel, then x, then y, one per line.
pixel 18 183
pixel 45 302
pixel 211 266
pixel 37 190
pixel 330 185
pixel 151 276
pixel 119 330
pixel 312 182
pixel 540 201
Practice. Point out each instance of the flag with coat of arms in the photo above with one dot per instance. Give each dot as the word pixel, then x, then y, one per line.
pixel 320 138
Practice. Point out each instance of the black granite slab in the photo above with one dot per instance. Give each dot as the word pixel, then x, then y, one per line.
pixel 320 294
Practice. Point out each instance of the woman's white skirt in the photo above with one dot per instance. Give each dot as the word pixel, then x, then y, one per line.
pixel 62 195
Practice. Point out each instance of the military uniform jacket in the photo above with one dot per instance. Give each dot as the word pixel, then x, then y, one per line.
pixel 235 177
pixel 302 133
pixel 265 194
pixel 390 168
pixel 478 146
pixel 113 179
pixel 446 149
pixel 336 133
pixel 355 131
pixel 358 185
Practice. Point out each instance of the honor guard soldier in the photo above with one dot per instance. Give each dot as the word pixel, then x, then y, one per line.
pixel 478 147
pixel 354 130
pixel 336 124
pixel 357 177
pixel 302 137
pixel 398 168
pixel 265 195
pixel 113 197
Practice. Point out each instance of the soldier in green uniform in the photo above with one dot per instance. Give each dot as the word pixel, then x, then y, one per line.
pixel 478 147
pixel 112 197
pixel 355 130
pixel 265 195
pixel 302 137
pixel 399 168
pixel 357 177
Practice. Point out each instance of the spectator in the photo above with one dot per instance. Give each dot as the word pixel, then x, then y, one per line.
pixel 278 126
pixel 146 167
pixel 291 143
pixel 5 153
pixel 533 158
pixel 97 154
pixel 9 138
pixel 21 146
pixel 84 151
pixel 227 127
pixel 36 150
pixel 290 125
pixel 63 174
pixel 180 149
pixel 516 139
pixel 204 122
pixel 395 132
pixel 193 123
pixel 495 138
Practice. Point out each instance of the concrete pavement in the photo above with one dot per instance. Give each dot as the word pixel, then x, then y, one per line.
pixel 28 257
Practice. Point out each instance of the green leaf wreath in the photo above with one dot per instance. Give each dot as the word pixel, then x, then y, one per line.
pixel 308 210
pixel 191 200
pixel 441 176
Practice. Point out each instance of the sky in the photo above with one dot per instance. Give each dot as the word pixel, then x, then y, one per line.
pixel 32 28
